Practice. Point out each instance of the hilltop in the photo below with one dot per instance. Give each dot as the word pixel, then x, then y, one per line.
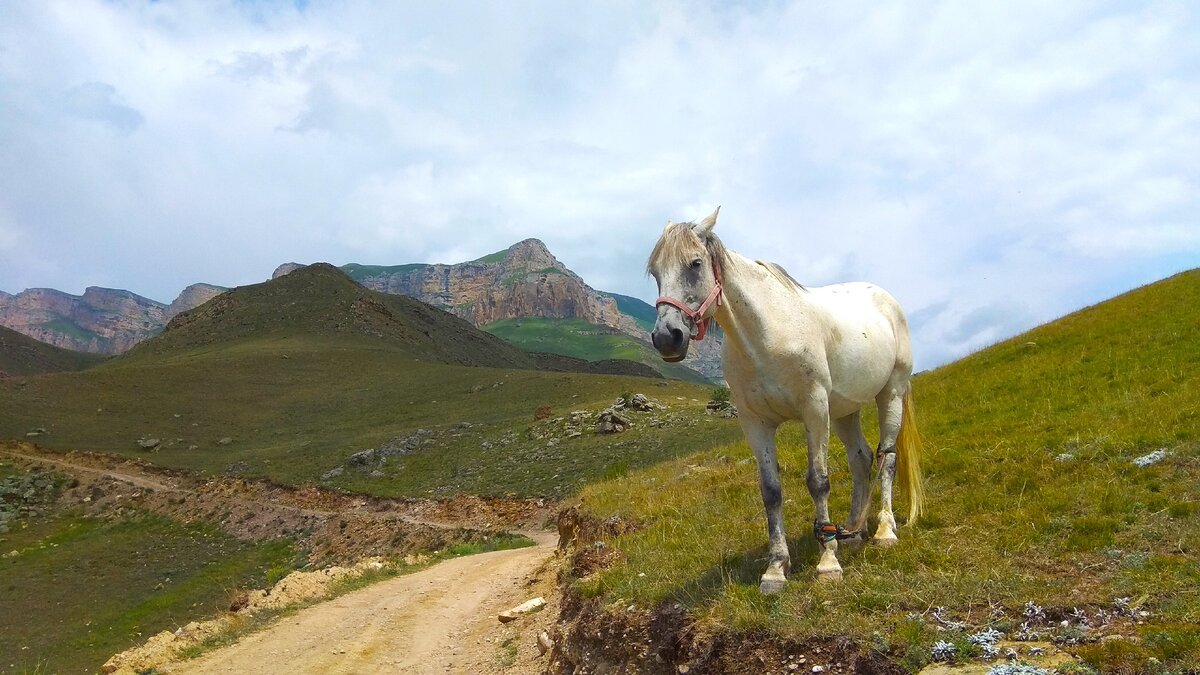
pixel 524 281
pixel 1062 468
pixel 22 355
pixel 320 301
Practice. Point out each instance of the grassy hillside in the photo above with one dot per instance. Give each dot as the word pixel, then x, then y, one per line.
pixel 288 379
pixel 1033 494
pixel 583 340
pixel 320 301
pixel 22 355
pixel 98 585
pixel 641 312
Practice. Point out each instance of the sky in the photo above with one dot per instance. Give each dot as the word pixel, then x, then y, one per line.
pixel 992 164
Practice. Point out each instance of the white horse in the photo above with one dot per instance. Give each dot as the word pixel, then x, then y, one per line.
pixel 817 355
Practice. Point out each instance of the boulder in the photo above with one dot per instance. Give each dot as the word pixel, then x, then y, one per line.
pixel 612 422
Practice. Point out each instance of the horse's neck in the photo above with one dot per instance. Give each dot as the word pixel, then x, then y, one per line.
pixel 751 312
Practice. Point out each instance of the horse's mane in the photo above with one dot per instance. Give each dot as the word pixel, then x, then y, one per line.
pixel 677 243
pixel 781 274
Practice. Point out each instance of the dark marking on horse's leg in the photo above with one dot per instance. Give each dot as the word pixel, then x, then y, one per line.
pixel 772 496
pixel 761 438
pixel 886 534
pixel 818 487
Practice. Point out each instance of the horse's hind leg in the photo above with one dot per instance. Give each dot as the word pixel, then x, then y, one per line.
pixel 761 437
pixel 891 410
pixel 858 454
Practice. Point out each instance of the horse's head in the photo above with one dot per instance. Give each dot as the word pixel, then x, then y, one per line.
pixel 686 264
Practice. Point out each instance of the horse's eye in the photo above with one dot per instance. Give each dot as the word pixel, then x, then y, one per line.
pixel 697 263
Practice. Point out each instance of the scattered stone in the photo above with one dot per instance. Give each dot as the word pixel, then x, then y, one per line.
pixel 642 403
pixel 377 474
pixel 225 441
pixel 544 643
pixel 148 443
pixel 522 609
pixel 333 473
pixel 1150 459
pixel 36 432
pixel 724 409
pixel 362 458
pixel 818 669
pixel 1064 457
pixel 612 422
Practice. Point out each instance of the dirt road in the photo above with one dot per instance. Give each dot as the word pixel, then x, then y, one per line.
pixel 440 620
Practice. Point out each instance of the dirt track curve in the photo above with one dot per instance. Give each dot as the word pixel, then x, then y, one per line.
pixel 439 620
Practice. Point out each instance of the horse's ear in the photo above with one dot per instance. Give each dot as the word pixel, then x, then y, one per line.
pixel 705 227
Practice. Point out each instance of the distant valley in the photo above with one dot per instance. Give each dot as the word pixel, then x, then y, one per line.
pixel 495 292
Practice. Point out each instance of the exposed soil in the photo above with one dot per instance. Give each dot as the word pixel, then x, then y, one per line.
pixel 439 620
pixel 334 527
pixel 442 619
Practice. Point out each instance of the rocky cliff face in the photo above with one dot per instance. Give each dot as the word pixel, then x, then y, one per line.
pixel 192 296
pixel 525 280
pixel 101 321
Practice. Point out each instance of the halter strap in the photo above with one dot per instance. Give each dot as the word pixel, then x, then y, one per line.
pixel 699 322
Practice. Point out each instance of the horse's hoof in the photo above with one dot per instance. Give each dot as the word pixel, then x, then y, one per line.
pixel 772 585
pixel 885 542
pixel 829 575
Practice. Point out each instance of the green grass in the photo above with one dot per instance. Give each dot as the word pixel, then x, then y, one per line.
pixel 583 340
pixel 360 273
pixel 296 407
pixel 1010 518
pixel 23 355
pixel 67 328
pixel 492 258
pixel 82 589
pixel 642 312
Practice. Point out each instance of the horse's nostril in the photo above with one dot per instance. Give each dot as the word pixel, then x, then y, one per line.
pixel 676 336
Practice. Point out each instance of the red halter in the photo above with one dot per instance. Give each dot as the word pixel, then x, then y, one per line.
pixel 699 322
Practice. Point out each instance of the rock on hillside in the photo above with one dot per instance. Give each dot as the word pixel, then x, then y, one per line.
pixel 525 280
pixel 101 321
pixel 191 297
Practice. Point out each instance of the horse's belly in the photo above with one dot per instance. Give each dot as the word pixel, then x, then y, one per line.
pixel 861 361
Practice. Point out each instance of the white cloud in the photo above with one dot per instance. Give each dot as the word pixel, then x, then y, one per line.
pixel 999 163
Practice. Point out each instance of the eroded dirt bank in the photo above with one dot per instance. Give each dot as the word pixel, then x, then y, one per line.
pixel 333 527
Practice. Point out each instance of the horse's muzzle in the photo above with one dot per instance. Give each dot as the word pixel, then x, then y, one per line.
pixel 671 341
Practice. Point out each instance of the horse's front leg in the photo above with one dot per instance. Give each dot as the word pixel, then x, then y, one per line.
pixel 817 425
pixel 761 437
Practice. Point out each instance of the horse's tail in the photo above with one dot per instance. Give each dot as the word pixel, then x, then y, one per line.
pixel 908 459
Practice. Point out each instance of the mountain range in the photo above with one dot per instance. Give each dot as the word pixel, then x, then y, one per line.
pixel 523 293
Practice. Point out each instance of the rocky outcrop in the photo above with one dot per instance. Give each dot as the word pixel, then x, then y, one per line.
pixel 102 320
pixel 285 268
pixel 525 280
pixel 191 297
